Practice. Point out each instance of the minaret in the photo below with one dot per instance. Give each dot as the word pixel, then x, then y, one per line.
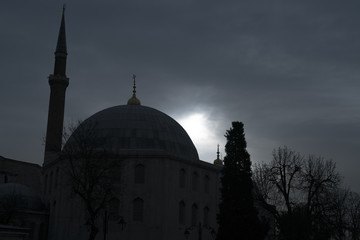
pixel 58 83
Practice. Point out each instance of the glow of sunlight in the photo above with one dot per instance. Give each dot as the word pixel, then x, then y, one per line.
pixel 202 132
pixel 196 126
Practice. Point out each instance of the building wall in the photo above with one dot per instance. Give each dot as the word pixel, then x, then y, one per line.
pixel 160 192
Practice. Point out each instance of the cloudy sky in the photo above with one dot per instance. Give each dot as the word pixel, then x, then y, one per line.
pixel 288 69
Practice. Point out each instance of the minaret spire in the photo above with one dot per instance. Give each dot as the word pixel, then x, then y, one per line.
pixel 61 50
pixel 58 83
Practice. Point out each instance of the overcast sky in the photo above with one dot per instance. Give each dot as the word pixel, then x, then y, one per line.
pixel 288 69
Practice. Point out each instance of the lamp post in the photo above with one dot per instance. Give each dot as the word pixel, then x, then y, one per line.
pixel 106 222
pixel 200 227
pixel 121 221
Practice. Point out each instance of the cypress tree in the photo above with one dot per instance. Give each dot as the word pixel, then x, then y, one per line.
pixel 238 217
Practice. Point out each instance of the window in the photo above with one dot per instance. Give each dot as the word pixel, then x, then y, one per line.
pixel 50 182
pixel 5 179
pixel 182 212
pixel 138 210
pixel 56 177
pixel 45 185
pixel 206 183
pixel 206 216
pixel 194 215
pixel 195 180
pixel 53 212
pixel 139 174
pixel 182 178
pixel 113 208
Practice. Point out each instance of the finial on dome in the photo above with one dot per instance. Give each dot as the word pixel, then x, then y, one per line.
pixel 218 161
pixel 134 87
pixel 133 100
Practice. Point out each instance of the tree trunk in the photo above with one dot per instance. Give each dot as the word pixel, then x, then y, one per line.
pixel 93 232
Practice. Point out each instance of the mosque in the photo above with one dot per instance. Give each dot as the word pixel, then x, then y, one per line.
pixel 160 188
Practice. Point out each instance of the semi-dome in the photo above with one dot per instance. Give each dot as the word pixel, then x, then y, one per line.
pixel 129 129
pixel 21 196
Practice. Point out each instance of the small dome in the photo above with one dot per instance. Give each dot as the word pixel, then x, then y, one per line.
pixel 24 197
pixel 134 100
pixel 136 129
pixel 218 162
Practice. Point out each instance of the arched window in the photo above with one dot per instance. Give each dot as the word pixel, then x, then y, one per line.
pixel 45 185
pixel 182 178
pixel 54 213
pixel 50 182
pixel 56 177
pixel 195 181
pixel 138 209
pixel 113 208
pixel 182 212
pixel 194 215
pixel 206 216
pixel 139 174
pixel 206 184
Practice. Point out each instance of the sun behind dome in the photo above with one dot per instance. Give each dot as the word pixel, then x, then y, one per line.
pixel 136 129
pixel 129 129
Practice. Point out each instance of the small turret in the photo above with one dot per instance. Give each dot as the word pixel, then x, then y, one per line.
pixel 218 161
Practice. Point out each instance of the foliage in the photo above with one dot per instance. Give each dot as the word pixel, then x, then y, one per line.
pixel 238 217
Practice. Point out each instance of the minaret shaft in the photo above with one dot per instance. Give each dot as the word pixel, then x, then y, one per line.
pixel 58 83
pixel 60 65
pixel 55 115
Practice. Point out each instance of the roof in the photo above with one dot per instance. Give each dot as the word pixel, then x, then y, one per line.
pixel 140 129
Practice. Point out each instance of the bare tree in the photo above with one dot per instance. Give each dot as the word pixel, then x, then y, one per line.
pixel 284 170
pixel 305 193
pixel 265 192
pixel 261 180
pixel 353 207
pixel 318 177
pixel 92 171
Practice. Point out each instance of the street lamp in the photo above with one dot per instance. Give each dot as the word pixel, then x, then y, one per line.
pixel 200 228
pixel 187 233
pixel 121 221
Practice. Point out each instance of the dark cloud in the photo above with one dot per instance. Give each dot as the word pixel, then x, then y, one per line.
pixel 287 69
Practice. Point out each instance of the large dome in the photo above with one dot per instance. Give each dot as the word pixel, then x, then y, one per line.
pixel 129 129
